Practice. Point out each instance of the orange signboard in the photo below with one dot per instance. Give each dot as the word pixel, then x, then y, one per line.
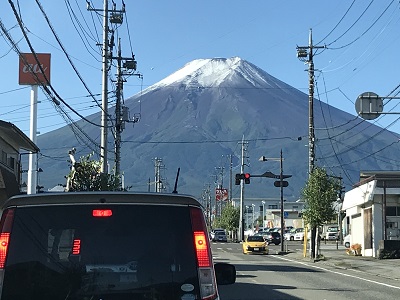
pixel 32 71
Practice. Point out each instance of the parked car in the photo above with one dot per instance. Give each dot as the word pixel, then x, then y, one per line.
pixel 273 237
pixel 299 235
pixel 220 236
pixel 347 241
pixel 212 233
pixel 289 236
pixel 262 229
pixel 255 244
pixel 90 245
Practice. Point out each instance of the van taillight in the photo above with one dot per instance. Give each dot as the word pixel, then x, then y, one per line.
pixel 208 285
pixel 4 237
pixel 202 246
pixel 102 212
pixel 203 258
pixel 5 230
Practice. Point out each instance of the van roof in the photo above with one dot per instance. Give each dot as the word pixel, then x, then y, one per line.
pixel 100 197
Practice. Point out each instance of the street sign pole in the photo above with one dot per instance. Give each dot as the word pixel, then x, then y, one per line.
pixel 278 183
pixel 282 209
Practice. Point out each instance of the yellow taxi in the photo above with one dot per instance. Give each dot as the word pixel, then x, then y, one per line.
pixel 255 244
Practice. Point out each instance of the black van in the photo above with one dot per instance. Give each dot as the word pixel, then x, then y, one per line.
pixel 107 245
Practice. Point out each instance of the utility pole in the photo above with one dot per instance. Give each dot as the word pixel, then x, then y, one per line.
pixel 241 220
pixel 116 18
pixel 104 92
pixel 302 53
pixel 119 125
pixel 121 112
pixel 113 16
pixel 158 181
pixel 219 190
pixel 230 178
pixel 207 200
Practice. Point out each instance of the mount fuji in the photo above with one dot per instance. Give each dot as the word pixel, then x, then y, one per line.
pixel 197 119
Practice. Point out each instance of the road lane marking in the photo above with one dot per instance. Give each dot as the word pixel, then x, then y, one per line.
pixel 338 273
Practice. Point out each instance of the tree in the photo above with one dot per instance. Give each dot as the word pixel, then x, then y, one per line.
pixel 319 194
pixel 229 218
pixel 86 175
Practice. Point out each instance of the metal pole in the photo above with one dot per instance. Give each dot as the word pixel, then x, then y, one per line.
pixel 32 171
pixel 241 223
pixel 263 212
pixel 282 208
pixel 230 178
pixel 384 211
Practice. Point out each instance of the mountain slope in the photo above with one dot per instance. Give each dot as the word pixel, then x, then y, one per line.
pixel 197 116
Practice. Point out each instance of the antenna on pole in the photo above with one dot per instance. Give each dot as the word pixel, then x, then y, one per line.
pixel 175 191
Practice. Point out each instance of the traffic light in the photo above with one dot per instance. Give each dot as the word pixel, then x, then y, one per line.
pixel 247 178
pixel 237 179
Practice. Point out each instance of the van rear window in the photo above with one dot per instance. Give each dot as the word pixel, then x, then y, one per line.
pixel 100 252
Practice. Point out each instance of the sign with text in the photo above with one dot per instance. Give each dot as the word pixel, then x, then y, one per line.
pixel 221 194
pixel 34 71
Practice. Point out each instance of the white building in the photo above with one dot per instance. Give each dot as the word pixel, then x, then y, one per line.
pixel 270 209
pixel 373 212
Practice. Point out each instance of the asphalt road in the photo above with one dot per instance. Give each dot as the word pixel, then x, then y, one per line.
pixel 261 277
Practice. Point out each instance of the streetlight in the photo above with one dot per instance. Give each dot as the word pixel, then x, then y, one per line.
pixel 263 212
pixel 281 183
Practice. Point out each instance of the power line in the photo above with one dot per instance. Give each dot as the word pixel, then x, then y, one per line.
pixel 363 33
pixel 340 21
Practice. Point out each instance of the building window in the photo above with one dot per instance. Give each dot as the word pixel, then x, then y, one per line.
pixel 393 211
pixel 11 162
pixel 3 157
pixel 272 206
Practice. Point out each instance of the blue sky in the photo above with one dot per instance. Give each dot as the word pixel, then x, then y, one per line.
pixel 362 53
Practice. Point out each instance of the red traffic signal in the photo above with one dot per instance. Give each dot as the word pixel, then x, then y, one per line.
pixel 245 177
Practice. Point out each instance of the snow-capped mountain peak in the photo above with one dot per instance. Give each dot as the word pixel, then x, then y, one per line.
pixel 213 72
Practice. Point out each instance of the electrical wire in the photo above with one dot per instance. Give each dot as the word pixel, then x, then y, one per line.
pixel 68 57
pixel 340 21
pixel 83 38
pixel 363 33
pixel 42 85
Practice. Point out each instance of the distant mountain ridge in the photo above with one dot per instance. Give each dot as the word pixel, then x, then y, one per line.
pixel 196 118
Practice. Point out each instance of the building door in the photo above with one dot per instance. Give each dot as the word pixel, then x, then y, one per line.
pixel 368 228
